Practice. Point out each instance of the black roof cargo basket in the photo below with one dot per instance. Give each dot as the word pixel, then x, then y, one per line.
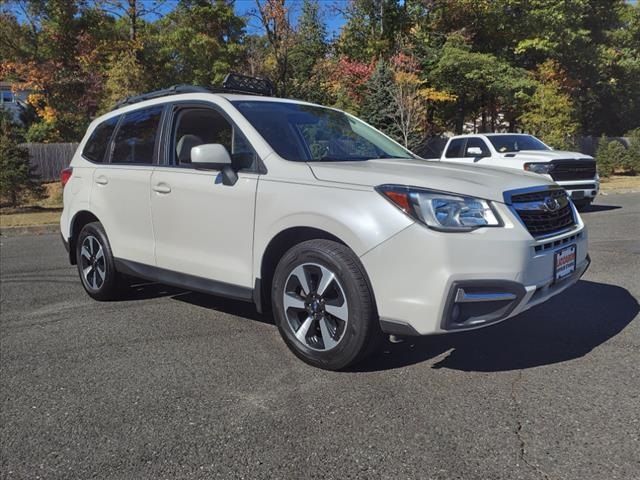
pixel 244 84
pixel 232 83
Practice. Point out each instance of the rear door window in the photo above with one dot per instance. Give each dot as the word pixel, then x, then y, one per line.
pixel 454 148
pixel 135 140
pixel 96 146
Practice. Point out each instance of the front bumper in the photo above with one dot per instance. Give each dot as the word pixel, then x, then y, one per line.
pixel 417 274
pixel 581 189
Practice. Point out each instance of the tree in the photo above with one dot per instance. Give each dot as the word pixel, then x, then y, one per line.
pixel 125 77
pixel 199 42
pixel 632 158
pixel 372 29
pixel 274 17
pixel 378 108
pixel 483 84
pixel 609 156
pixel 309 49
pixel 550 116
pixel 131 12
pixel 348 82
pixel 411 98
pixel 63 68
pixel 16 174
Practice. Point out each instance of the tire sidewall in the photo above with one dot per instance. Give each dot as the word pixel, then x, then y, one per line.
pixel 359 322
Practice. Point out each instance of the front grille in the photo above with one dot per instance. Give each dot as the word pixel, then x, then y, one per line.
pixel 544 213
pixel 573 170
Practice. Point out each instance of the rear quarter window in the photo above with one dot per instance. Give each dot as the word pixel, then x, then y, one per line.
pixel 96 147
pixel 135 139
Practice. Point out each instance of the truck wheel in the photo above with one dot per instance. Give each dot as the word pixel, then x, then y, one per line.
pixel 95 263
pixel 323 305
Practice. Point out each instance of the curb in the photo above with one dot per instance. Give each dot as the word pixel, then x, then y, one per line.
pixel 613 191
pixel 30 230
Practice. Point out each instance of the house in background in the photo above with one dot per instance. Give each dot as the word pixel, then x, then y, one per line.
pixel 13 101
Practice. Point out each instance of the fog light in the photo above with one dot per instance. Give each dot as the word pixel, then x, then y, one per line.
pixel 478 302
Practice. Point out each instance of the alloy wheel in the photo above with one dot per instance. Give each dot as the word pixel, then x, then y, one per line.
pixel 93 263
pixel 315 306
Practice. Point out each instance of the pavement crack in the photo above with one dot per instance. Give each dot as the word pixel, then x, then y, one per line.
pixel 522 453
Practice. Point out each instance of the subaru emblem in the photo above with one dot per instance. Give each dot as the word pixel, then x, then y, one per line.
pixel 551 204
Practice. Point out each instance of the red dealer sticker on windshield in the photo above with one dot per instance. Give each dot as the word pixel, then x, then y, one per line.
pixel 565 262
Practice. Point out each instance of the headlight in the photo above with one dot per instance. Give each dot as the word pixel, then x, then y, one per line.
pixel 539 167
pixel 441 211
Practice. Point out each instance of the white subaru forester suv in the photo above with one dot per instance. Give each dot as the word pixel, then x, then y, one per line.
pixel 308 211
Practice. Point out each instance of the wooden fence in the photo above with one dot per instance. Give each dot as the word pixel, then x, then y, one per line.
pixel 48 159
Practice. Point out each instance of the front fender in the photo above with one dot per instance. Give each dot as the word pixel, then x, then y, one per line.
pixel 359 217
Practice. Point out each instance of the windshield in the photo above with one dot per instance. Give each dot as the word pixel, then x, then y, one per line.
pixel 309 133
pixel 515 143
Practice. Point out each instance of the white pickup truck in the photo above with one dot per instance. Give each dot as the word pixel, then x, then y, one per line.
pixel 575 172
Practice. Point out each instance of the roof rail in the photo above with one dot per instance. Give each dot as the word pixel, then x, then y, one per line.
pixel 173 90
pixel 232 83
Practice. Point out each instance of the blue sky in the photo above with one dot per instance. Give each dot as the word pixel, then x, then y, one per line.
pixel 329 8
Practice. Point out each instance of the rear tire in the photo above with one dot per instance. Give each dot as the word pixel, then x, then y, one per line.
pixel 95 262
pixel 323 305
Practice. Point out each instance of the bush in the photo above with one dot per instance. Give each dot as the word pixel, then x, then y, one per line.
pixel 610 156
pixel 632 160
pixel 42 132
pixel 17 180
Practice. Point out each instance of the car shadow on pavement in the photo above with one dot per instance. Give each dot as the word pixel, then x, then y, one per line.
pixel 599 208
pixel 220 304
pixel 566 327
pixel 140 290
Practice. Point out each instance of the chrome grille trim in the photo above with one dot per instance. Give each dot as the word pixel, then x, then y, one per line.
pixel 544 211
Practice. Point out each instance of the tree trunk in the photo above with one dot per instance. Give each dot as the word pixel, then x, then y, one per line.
pixel 459 117
pixel 132 13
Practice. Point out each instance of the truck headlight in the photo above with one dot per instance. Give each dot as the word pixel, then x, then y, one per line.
pixel 441 211
pixel 539 167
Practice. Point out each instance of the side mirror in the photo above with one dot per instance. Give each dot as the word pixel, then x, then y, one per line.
pixel 210 155
pixel 474 151
pixel 213 156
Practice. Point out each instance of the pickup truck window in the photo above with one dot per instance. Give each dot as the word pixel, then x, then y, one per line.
pixel 516 143
pixel 308 133
pixel 455 147
pixel 473 144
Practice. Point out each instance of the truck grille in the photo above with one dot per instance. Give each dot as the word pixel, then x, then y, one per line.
pixel 544 213
pixel 573 170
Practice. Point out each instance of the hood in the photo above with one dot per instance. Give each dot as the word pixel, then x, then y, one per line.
pixel 545 155
pixel 482 182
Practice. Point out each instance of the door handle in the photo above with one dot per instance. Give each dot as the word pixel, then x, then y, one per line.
pixel 162 188
pixel 102 180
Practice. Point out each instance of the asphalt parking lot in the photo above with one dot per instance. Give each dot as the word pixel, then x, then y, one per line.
pixel 171 384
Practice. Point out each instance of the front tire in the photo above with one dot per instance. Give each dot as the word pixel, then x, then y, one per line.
pixel 323 305
pixel 95 262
